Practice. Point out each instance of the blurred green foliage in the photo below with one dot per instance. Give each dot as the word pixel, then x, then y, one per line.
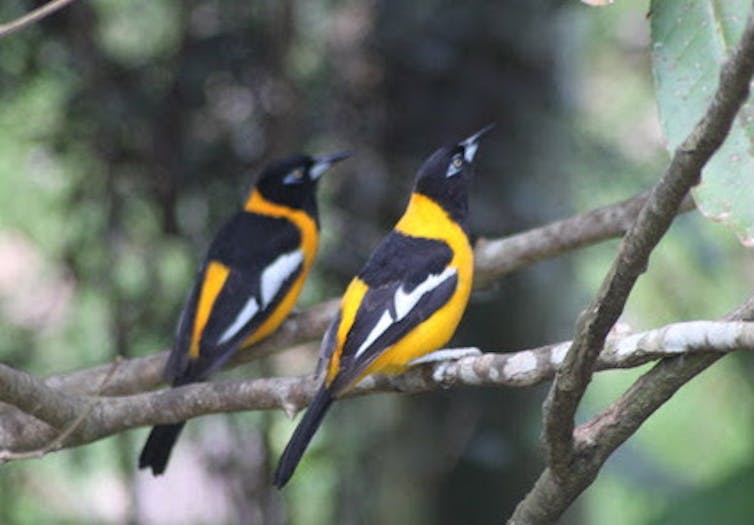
pixel 130 130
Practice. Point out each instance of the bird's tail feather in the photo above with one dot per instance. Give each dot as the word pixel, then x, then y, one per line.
pixel 156 451
pixel 302 436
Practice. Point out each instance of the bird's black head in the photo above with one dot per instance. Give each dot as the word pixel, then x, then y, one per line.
pixel 445 175
pixel 293 181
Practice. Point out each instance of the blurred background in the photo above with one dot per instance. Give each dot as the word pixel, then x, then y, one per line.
pixel 130 130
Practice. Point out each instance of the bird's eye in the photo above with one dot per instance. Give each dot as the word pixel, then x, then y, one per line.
pixel 455 166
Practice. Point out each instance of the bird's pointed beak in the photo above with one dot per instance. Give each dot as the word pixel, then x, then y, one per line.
pixel 323 162
pixel 471 144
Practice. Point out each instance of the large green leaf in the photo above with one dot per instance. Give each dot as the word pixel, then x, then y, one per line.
pixel 690 41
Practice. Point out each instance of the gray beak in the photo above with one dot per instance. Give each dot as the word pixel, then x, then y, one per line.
pixel 471 144
pixel 323 163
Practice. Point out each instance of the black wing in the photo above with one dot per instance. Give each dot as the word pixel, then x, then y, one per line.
pixel 257 249
pixel 409 279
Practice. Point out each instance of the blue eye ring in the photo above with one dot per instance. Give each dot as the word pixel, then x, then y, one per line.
pixel 294 177
pixel 455 166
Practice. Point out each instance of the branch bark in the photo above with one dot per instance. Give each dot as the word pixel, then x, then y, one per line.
pixel 494 258
pixel 88 418
pixel 32 396
pixel 599 437
pixel 501 256
pixel 32 17
pixel 564 479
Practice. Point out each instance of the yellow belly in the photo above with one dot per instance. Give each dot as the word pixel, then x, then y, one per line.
pixel 426 337
pixel 425 218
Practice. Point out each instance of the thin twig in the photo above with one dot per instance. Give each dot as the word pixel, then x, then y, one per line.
pixel 31 17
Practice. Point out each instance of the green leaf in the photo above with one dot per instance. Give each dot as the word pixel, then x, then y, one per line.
pixel 690 41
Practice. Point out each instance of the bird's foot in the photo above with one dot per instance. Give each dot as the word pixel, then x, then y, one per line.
pixel 446 354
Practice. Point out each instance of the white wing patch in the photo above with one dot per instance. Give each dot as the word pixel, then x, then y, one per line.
pixel 272 280
pixel 383 324
pixel 277 273
pixel 249 310
pixel 404 302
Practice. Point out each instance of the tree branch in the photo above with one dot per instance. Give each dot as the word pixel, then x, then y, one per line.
pixel 608 430
pixel 33 397
pixel 63 435
pixel 90 418
pixel 493 258
pixel 501 256
pixel 598 438
pixel 562 481
pixel 143 373
pixel 31 17
pixel 653 221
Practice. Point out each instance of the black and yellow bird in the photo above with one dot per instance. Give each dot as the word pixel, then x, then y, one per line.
pixel 248 283
pixel 408 299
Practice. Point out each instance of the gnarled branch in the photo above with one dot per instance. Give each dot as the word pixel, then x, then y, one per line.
pixel 101 416
pixel 567 473
pixel 493 258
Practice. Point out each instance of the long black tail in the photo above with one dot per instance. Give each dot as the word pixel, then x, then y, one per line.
pixel 302 436
pixel 156 451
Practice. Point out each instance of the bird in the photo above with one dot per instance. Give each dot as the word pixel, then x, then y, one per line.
pixel 408 298
pixel 248 282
